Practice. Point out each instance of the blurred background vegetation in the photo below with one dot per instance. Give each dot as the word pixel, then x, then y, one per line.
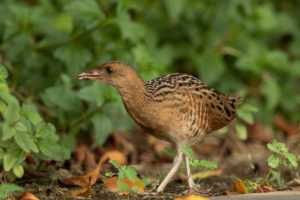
pixel 250 48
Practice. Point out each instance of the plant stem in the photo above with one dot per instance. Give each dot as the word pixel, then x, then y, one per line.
pixel 269 173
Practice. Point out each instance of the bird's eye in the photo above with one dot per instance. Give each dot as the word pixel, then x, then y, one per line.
pixel 109 70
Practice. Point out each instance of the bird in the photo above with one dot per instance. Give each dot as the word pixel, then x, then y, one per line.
pixel 177 107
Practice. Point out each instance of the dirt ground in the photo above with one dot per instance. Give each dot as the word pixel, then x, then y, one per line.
pixel 145 155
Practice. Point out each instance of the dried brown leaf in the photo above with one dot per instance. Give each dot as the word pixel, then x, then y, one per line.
pixel 263 188
pixel 29 160
pixel 285 126
pixel 258 131
pixel 84 180
pixel 80 153
pixel 89 161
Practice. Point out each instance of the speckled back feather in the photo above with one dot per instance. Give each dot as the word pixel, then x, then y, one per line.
pixel 204 108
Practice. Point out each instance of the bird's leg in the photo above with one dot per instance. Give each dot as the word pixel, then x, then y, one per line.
pixel 176 164
pixel 188 171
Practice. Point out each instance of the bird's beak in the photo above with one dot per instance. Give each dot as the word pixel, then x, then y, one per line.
pixel 89 75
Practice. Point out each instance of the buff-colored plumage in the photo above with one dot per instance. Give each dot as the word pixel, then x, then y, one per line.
pixel 177 107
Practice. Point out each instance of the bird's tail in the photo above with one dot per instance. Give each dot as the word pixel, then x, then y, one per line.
pixel 235 100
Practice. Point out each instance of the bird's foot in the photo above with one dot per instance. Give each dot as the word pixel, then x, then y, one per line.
pixel 193 188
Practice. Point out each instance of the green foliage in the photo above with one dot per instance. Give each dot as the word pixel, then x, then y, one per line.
pixel 196 163
pixel 7 189
pixel 248 47
pixel 23 131
pixel 130 174
pixel 280 156
pixel 169 152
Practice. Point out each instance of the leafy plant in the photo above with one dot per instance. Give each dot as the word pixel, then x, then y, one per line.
pixel 280 156
pixel 196 163
pixel 7 189
pixel 128 180
pixel 24 132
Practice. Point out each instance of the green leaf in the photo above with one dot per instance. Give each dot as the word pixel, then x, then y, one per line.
pixel 145 181
pixel 273 161
pixel 3 72
pixel 277 176
pixel 208 164
pixel 86 12
pixel 31 113
pixel 209 66
pixel 25 141
pixel 110 174
pixel 63 22
pixel 63 97
pixel 12 113
pixel 115 163
pixel 75 56
pixel 92 93
pixel 130 173
pixel 130 29
pixel 20 127
pixel 241 131
pixel 46 131
pixel 277 59
pixel 271 90
pixel 18 171
pixel 7 131
pixel 245 113
pixel 169 152
pixel 141 54
pixel 7 97
pixel 8 161
pixel 53 150
pixel 175 8
pixel 8 188
pixel 272 147
pixel 292 159
pixel 102 127
pixel 188 151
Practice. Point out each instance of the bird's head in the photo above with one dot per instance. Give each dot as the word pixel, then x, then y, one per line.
pixel 114 73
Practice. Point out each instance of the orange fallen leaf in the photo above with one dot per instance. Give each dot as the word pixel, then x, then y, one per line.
pixel 84 180
pixel 27 196
pixel 240 187
pixel 85 192
pixel 111 184
pixel 115 155
pixel 192 197
pixel 263 188
pixel 297 188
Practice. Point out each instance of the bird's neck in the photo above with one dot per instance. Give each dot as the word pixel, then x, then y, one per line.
pixel 133 93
